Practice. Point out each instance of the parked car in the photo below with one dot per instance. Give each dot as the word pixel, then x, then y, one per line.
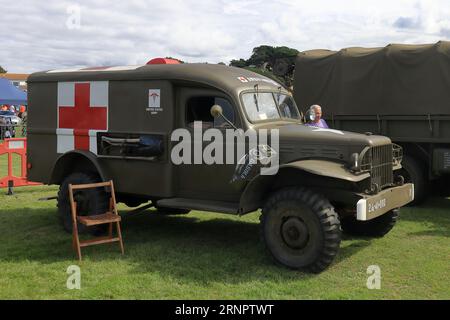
pixel 7 129
pixel 15 120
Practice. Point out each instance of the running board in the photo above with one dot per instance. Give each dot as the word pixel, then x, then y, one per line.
pixel 202 205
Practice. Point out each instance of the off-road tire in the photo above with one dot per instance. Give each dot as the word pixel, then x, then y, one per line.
pixel 377 227
pixel 90 201
pixel 300 229
pixel 171 211
pixel 413 172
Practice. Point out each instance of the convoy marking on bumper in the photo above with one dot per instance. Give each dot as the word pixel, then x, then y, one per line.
pixel 377 205
pixel 361 213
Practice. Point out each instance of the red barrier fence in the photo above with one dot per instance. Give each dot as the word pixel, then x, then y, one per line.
pixel 15 146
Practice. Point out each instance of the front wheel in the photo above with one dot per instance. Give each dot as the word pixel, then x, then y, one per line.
pixel 377 227
pixel 300 229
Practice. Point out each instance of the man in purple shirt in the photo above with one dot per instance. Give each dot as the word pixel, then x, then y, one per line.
pixel 315 117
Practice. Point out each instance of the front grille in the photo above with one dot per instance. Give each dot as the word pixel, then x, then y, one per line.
pixel 378 161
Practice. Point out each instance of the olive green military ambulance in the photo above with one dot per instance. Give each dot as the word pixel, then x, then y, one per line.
pixel 93 124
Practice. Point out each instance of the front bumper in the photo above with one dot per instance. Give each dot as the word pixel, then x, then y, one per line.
pixel 371 207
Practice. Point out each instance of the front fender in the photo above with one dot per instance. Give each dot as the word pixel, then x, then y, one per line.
pixel 327 169
pixel 255 191
pixel 76 160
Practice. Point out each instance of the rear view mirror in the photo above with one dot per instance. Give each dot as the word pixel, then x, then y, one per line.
pixel 216 111
pixel 310 115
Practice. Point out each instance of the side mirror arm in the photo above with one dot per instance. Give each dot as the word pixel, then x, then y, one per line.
pixel 228 121
pixel 216 111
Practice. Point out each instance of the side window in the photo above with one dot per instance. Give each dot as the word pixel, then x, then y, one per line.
pixel 228 112
pixel 198 109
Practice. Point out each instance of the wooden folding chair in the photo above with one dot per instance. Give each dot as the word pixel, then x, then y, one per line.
pixel 110 217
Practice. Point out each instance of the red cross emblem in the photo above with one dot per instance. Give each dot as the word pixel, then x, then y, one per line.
pixel 82 111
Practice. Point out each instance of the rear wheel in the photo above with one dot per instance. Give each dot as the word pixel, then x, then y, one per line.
pixel 377 227
pixel 300 229
pixel 414 173
pixel 89 202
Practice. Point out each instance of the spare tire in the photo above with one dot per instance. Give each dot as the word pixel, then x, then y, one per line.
pixel 281 67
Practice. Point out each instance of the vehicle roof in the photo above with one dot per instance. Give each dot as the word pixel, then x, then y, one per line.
pixel 227 78
pixel 391 50
pixel 395 80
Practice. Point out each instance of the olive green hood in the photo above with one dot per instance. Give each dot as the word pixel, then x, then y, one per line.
pixel 315 135
pixel 298 141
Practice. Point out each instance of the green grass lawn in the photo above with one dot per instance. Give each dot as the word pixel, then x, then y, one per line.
pixel 212 256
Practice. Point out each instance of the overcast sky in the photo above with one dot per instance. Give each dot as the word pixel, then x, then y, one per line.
pixel 42 35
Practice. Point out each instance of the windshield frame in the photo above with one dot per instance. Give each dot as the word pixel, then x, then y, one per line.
pixel 274 93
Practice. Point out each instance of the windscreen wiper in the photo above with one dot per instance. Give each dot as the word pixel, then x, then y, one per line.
pixel 255 98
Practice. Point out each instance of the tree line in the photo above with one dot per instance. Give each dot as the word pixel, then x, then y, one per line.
pixel 263 60
pixel 273 62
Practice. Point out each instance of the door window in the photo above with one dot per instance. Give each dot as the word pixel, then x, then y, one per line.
pixel 198 109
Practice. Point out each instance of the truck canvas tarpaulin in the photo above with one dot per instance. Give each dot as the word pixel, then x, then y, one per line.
pixel 394 80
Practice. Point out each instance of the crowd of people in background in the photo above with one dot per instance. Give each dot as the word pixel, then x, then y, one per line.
pixel 19 111
pixel 9 120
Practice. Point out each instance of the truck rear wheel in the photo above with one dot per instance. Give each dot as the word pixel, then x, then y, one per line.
pixel 413 172
pixel 89 202
pixel 300 229
pixel 377 227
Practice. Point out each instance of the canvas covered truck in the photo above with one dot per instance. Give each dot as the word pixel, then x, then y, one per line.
pixel 400 91
pixel 125 124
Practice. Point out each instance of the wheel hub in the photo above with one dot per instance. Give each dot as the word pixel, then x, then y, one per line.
pixel 295 233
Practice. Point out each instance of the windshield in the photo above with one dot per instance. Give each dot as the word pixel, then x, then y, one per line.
pixel 269 106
